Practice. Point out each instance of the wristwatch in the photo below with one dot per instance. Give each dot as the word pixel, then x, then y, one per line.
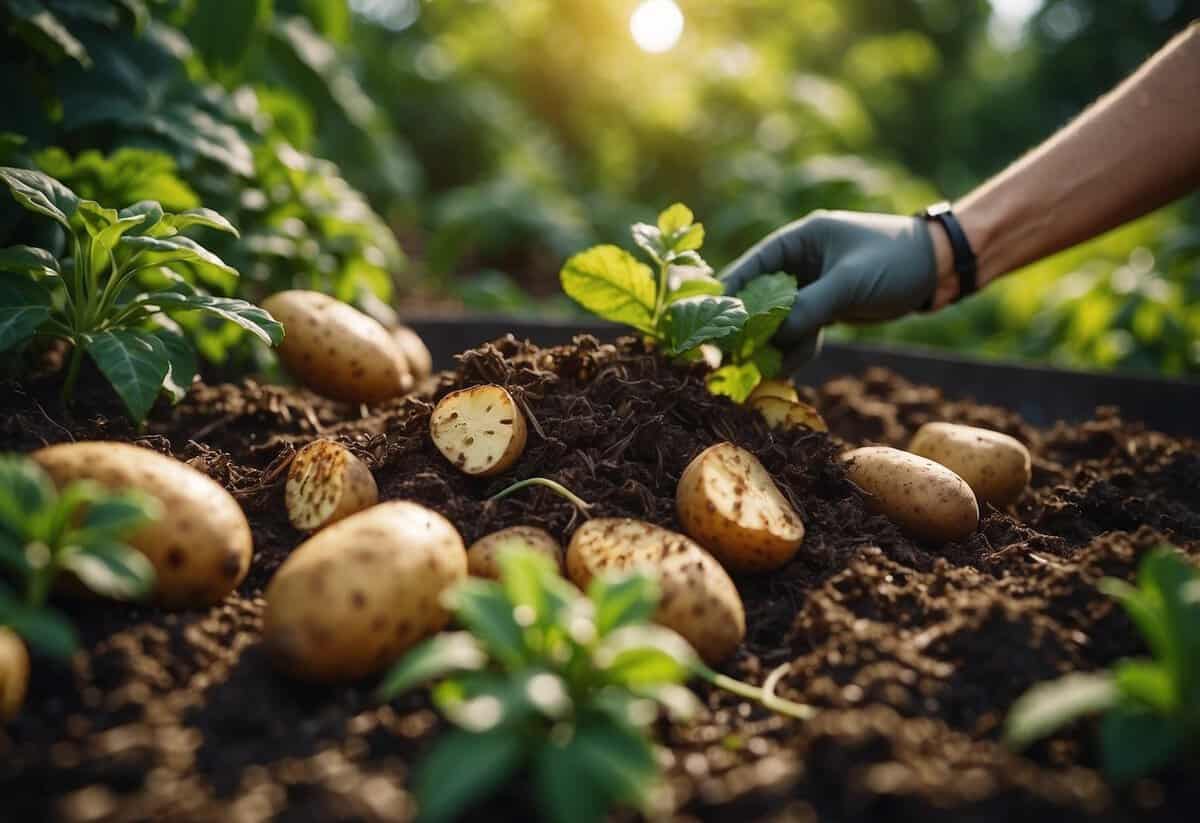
pixel 965 263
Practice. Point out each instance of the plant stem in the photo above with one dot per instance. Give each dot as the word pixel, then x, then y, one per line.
pixel 557 488
pixel 660 295
pixel 68 389
pixel 764 696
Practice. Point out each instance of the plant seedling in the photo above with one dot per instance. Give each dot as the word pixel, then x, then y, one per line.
pixel 1151 707
pixel 111 297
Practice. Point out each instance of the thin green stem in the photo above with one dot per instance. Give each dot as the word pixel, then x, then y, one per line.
pixel 766 698
pixel 660 295
pixel 68 390
pixel 557 488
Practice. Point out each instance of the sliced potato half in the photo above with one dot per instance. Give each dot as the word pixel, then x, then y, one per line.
pixel 787 414
pixel 325 484
pixel 480 430
pixel 483 557
pixel 728 502
pixel 783 389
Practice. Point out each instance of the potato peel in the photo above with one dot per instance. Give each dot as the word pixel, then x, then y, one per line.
pixel 781 389
pixel 789 415
pixel 327 483
pixel 480 430
pixel 483 556
pixel 14 673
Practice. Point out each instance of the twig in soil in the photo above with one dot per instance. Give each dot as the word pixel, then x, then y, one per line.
pixel 764 696
pixel 554 486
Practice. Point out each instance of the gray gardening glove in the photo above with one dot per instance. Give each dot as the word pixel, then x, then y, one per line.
pixel 851 266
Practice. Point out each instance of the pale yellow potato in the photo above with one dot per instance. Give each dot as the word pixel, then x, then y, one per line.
pixel 336 350
pixel 200 546
pixel 480 430
pixel 325 484
pixel 14 673
pixel 782 389
pixel 728 502
pixel 698 599
pixel 996 467
pixel 355 596
pixel 925 499
pixel 420 361
pixel 786 414
pixel 483 556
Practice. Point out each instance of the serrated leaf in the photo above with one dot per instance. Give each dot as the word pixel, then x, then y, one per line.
pixel 675 219
pixel 111 569
pixel 24 307
pixel 767 299
pixel 701 319
pixel 30 261
pixel 439 656
pixel 253 319
pixel 464 768
pixel 609 282
pixel 41 193
pixel 135 363
pixel 735 381
pixel 1048 706
pixel 1135 743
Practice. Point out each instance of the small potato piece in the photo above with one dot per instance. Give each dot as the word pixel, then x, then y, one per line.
pixel 788 415
pixel 356 595
pixel 327 483
pixel 200 547
pixel 483 557
pixel 728 502
pixel 14 673
pixel 698 599
pixel 924 498
pixel 995 466
pixel 480 430
pixel 336 350
pixel 420 361
pixel 782 389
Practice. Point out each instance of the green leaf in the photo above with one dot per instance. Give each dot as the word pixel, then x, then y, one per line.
pixel 181 359
pixel 622 601
pixel 523 574
pixel 43 29
pixel 464 768
pixel 566 790
pixel 24 306
pixel 45 630
pixel 40 193
pixel 1171 575
pixel 481 607
pixel 646 654
pixel 169 251
pixel 135 363
pixel 679 701
pixel 696 287
pixel 690 239
pixel 618 758
pixel 1144 607
pixel 117 515
pixel 1049 706
pixel 25 492
pixel 1147 682
pixel 200 217
pixel 768 359
pixel 223 34
pixel 735 381
pixel 701 319
pixel 609 282
pixel 675 219
pixel 105 226
pixel 151 212
pixel 650 240
pixel 253 319
pixel 29 260
pixel 111 569
pixel 767 299
pixel 1135 742
pixel 441 655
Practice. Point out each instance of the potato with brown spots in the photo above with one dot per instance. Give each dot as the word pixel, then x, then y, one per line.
pixel 781 389
pixel 14 673
pixel 996 467
pixel 698 599
pixel 326 483
pixel 925 499
pixel 788 415
pixel 727 501
pixel 357 595
pixel 483 556
pixel 200 548
pixel 420 361
pixel 480 430
pixel 336 350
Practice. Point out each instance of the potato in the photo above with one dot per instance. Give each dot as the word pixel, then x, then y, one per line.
pixel 420 361
pixel 14 673
pixel 782 389
pixel 925 499
pixel 483 556
pixel 200 547
pixel 995 466
pixel 327 483
pixel 356 595
pixel 698 599
pixel 785 414
pixel 336 350
pixel 480 430
pixel 728 502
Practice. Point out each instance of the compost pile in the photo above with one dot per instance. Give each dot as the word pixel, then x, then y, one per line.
pixel 915 654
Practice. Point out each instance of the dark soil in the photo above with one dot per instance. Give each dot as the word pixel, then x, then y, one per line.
pixel 915 652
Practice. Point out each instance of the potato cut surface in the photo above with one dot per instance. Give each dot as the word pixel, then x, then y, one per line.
pixel 782 389
pixel 729 503
pixel 325 484
pixel 14 673
pixel 483 557
pixel 787 414
pixel 480 430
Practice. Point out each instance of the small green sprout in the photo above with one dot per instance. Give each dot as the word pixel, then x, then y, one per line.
pixel 558 684
pixel 80 530
pixel 1151 707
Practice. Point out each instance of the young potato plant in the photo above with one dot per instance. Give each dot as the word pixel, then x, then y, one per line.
pixel 1151 707
pixel 679 304
pixel 111 296
pixel 558 684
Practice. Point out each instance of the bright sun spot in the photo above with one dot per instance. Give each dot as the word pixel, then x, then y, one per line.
pixel 656 25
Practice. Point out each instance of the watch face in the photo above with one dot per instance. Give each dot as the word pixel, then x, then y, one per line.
pixel 938 209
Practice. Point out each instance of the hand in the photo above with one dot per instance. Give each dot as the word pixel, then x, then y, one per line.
pixel 851 266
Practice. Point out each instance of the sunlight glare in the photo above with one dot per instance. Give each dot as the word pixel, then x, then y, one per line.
pixel 656 25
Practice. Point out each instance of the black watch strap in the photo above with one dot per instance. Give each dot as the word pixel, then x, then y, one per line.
pixel 965 263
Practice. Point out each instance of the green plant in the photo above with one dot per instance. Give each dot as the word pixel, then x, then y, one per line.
pixel 112 297
pixel 80 530
pixel 1151 707
pixel 564 685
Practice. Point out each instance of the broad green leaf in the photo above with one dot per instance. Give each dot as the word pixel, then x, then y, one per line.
pixel 768 359
pixel 151 212
pixel 1049 706
pixel 1147 682
pixel 253 319
pixel 181 358
pixel 644 654
pixel 566 790
pixel 223 34
pixel 200 217
pixel 481 607
pixel 523 574
pixel 701 319
pixel 117 515
pixel 767 299
pixel 609 282
pixel 1135 743
pixel 735 381
pixel 485 700
pixel 618 757
pixel 29 260
pixel 690 240
pixel 168 251
pixel 41 193
pixel 465 768
pixel 25 492
pixel 437 657
pixel 24 306
pixel 1145 609
pixel 105 227
pixel 674 219
pixel 39 25
pixel 44 630
pixel 696 287
pixel 622 601
pixel 111 569
pixel 650 240
pixel 1170 574
pixel 96 218
pixel 135 363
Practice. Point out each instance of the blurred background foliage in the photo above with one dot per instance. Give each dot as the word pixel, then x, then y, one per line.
pixel 490 139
